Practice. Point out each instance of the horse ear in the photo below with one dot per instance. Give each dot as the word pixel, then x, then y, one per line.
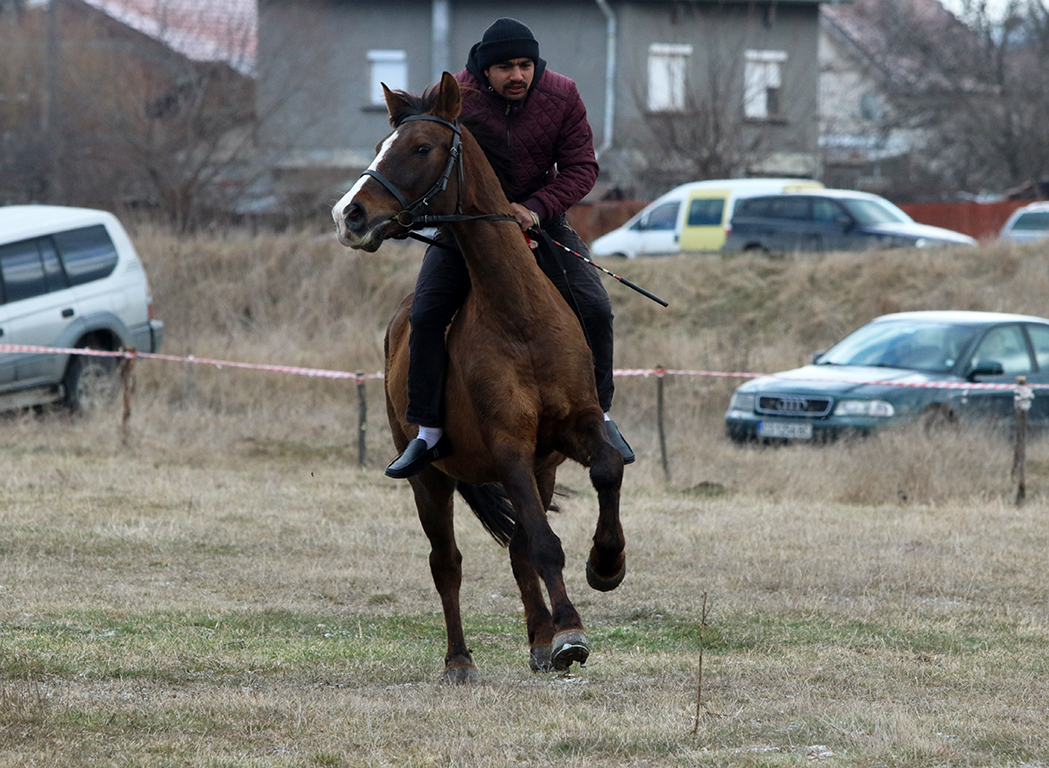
pixel 394 100
pixel 449 102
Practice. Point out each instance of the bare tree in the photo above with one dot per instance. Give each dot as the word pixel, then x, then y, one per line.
pixel 977 88
pixel 133 122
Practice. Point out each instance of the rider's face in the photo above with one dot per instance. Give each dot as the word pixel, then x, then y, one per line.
pixel 511 79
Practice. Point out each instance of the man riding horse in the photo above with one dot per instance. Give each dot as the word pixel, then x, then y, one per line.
pixel 507 87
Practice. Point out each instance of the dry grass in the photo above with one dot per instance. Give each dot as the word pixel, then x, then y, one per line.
pixel 231 590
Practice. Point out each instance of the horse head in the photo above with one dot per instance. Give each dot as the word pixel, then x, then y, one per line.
pixel 411 172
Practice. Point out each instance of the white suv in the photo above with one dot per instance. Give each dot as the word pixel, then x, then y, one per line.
pixel 69 277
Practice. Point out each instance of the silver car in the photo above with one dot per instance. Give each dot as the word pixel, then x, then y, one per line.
pixel 1027 224
pixel 69 278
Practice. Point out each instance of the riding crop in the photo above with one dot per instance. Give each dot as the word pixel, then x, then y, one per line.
pixel 592 263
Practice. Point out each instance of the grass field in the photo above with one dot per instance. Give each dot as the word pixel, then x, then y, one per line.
pixel 228 588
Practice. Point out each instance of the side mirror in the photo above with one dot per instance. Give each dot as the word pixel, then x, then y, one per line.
pixel 984 368
pixel 817 355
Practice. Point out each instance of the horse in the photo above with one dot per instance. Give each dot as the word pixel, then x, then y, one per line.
pixel 521 393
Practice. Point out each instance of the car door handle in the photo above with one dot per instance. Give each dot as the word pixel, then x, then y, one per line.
pixel 68 312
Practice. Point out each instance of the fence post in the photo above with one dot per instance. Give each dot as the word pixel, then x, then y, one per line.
pixel 660 374
pixel 362 420
pixel 1022 398
pixel 127 381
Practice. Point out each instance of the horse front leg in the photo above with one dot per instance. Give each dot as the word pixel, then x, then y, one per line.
pixel 589 445
pixel 433 500
pixel 536 549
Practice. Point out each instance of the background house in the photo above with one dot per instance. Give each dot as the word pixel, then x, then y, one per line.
pixel 126 103
pixel 885 69
pixel 675 91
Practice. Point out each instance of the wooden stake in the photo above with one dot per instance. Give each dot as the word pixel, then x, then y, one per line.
pixel 699 687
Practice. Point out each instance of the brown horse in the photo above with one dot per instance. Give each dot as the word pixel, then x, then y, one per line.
pixel 521 392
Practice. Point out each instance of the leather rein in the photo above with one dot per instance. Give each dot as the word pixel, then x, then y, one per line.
pixel 409 217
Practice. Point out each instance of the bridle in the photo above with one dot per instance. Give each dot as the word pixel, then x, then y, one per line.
pixel 409 217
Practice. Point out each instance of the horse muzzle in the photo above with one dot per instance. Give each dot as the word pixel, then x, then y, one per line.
pixel 355 230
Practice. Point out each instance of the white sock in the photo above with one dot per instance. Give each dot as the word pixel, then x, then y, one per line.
pixel 431 435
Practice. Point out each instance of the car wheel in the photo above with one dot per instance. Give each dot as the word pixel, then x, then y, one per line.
pixel 90 383
pixel 937 419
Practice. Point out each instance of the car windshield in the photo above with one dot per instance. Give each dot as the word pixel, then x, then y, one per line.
pixel 1036 221
pixel 872 212
pixel 929 347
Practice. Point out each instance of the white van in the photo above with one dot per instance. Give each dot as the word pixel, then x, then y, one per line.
pixel 692 217
pixel 69 277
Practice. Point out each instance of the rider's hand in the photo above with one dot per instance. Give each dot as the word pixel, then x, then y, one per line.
pixel 526 217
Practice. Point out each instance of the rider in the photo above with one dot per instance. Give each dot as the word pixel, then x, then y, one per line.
pixel 508 87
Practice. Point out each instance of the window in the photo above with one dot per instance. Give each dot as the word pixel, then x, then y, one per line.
pixel 88 254
pixel 706 212
pixel 389 67
pixel 663 217
pixel 762 82
pixel 1032 222
pixel 1004 345
pixel 22 271
pixel 1040 339
pixel 827 211
pixel 790 208
pixel 667 65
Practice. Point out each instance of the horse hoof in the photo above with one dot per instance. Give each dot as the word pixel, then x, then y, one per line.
pixel 569 646
pixel 602 584
pixel 539 659
pixel 461 675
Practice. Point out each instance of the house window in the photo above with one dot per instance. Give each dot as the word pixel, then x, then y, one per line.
pixel 667 64
pixel 389 67
pixel 762 76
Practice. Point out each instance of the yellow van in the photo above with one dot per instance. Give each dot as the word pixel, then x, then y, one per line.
pixel 692 217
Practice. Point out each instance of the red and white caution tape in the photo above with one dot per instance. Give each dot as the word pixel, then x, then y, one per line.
pixel 129 354
pixel 329 374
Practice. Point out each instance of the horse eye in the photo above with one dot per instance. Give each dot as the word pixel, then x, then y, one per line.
pixel 423 150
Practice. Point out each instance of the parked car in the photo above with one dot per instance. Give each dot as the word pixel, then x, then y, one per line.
pixel 880 375
pixel 1027 224
pixel 691 217
pixel 69 277
pixel 829 220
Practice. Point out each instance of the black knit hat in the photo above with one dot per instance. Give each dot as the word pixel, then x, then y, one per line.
pixel 506 39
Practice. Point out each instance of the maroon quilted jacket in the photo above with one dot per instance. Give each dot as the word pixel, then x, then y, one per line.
pixel 551 143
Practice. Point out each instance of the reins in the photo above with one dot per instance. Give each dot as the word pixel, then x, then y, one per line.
pixel 410 219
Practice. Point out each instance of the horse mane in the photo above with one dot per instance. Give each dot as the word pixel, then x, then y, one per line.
pixel 492 143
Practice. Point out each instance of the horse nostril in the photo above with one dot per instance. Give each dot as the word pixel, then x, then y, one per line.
pixel 353 215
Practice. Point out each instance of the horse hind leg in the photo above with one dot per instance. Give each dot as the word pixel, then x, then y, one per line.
pixel 433 500
pixel 538 559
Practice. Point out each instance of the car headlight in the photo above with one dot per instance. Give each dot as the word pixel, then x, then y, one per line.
pixel 878 408
pixel 741 401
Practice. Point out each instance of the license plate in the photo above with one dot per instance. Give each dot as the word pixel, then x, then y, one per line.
pixel 785 430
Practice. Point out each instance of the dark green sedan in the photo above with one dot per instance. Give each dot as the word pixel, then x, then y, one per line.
pixel 900 368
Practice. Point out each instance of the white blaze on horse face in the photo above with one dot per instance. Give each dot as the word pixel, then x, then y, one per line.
pixel 338 212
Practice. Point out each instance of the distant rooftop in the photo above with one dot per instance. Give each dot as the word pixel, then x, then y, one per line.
pixel 202 30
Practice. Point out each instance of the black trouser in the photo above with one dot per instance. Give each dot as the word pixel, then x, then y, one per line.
pixel 441 289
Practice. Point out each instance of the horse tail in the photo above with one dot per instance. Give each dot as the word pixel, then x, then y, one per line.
pixel 492 507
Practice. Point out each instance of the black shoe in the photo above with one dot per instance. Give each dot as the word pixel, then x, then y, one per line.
pixel 618 442
pixel 417 457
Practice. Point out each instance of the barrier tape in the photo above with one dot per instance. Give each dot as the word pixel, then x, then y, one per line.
pixel 359 377
pixel 133 355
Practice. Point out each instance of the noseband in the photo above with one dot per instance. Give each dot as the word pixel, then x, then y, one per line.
pixel 409 217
